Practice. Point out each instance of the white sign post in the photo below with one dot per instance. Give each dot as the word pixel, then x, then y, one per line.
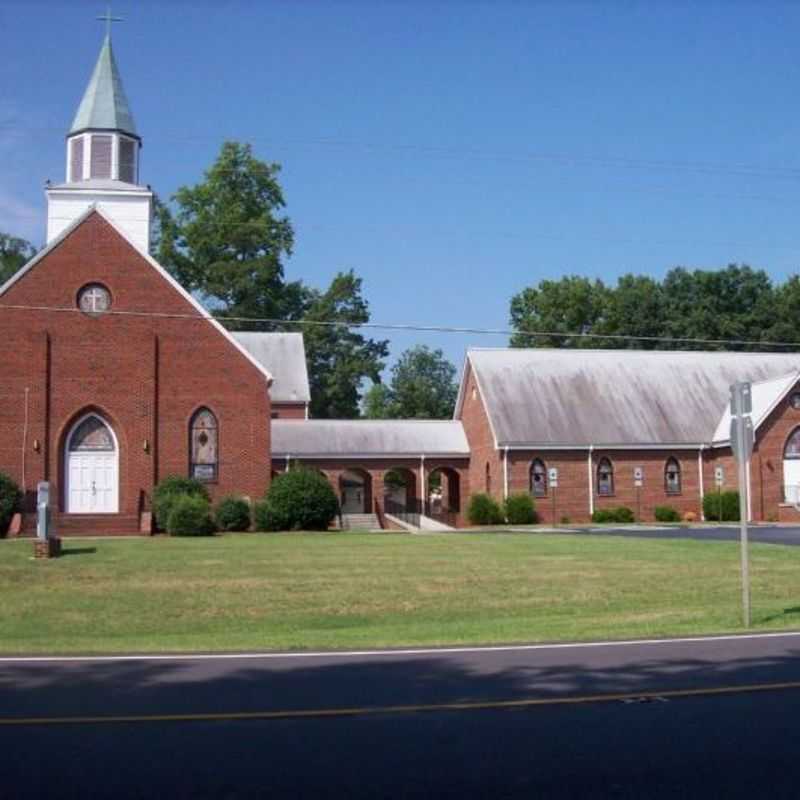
pixel 742 445
pixel 552 479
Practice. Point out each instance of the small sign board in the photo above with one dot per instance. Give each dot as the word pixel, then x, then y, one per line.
pixel 552 477
pixel 719 476
pixel 638 476
pixel 742 438
pixel 741 399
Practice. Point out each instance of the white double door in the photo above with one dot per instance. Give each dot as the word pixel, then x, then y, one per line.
pixel 92 483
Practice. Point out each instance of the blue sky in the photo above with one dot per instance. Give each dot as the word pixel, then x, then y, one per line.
pixel 451 153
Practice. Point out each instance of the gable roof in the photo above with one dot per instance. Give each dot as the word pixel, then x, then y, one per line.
pixel 284 355
pixel 379 438
pixel 104 105
pixel 765 396
pixel 562 397
pixel 189 298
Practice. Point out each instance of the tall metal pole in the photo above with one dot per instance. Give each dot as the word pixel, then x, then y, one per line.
pixel 743 490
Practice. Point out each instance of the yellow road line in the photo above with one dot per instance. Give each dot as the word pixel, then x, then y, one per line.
pixel 318 713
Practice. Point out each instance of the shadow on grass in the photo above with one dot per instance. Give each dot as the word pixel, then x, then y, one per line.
pixel 787 612
pixel 78 551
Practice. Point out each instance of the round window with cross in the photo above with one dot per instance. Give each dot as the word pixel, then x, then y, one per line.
pixel 94 299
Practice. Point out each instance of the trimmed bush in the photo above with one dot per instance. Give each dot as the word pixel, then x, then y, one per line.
pixel 520 509
pixel 232 514
pixel 169 490
pixel 689 516
pixel 190 515
pixel 667 514
pixel 266 518
pixel 721 506
pixel 298 500
pixel 10 497
pixel 622 514
pixel 484 510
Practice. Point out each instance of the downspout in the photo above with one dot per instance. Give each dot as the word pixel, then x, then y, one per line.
pixel 505 474
pixel 749 489
pixel 422 496
pixel 591 481
pixel 288 459
pixel 306 409
pixel 700 478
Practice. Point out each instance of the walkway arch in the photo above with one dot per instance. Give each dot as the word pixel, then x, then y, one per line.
pixel 399 490
pixel 91 467
pixel 355 491
pixel 443 493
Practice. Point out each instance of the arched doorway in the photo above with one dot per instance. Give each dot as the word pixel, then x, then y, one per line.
pixel 354 487
pixel 444 494
pixel 791 468
pixel 399 491
pixel 91 467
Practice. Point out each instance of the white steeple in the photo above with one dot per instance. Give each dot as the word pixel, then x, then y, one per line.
pixel 103 159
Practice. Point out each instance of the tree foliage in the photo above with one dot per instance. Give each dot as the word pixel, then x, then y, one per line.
pixel 228 239
pixel 422 385
pixel 14 253
pixel 735 303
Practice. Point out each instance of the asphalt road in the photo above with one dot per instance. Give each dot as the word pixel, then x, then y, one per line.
pixel 765 534
pixel 692 718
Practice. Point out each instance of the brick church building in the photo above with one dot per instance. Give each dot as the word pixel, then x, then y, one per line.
pixel 113 377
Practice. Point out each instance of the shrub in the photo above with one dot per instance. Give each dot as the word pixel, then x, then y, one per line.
pixel 169 490
pixel 667 514
pixel 232 514
pixel 689 516
pixel 10 497
pixel 565 520
pixel 520 509
pixel 190 515
pixel 621 514
pixel 484 510
pixel 266 518
pixel 301 499
pixel 725 502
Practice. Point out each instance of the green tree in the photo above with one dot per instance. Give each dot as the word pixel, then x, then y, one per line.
pixel 569 305
pixel 228 238
pixel 14 253
pixel 735 303
pixel 339 357
pixel 634 307
pixel 423 386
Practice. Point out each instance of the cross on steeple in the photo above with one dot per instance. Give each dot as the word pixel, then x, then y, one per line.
pixel 108 19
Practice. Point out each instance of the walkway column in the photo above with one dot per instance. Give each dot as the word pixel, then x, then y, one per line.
pixel 591 482
pixel 422 494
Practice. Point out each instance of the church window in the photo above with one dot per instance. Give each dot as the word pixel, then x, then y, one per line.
pixel 101 156
pixel 538 478
pixel 76 159
pixel 794 400
pixel 92 435
pixel 672 476
pixel 94 299
pixel 605 477
pixel 488 478
pixel 792 449
pixel 204 446
pixel 127 160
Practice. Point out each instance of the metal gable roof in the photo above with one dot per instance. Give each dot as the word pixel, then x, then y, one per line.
pixel 104 105
pixel 367 437
pixel 284 355
pixel 554 397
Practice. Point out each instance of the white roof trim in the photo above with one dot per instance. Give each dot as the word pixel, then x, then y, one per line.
pixel 366 456
pixel 153 263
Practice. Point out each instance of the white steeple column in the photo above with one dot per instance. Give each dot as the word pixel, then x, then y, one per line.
pixel 102 159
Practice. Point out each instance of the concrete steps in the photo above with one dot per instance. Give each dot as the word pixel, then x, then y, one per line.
pixel 360 522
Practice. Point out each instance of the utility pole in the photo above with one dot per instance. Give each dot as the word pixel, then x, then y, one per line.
pixel 742 446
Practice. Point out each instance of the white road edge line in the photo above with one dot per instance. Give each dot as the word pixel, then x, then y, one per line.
pixel 406 652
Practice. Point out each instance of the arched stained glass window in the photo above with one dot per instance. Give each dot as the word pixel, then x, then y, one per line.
pixel 605 477
pixel 204 444
pixel 538 478
pixel 792 449
pixel 92 435
pixel 488 478
pixel 672 476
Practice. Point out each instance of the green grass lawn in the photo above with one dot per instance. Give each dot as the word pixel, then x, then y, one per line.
pixel 297 591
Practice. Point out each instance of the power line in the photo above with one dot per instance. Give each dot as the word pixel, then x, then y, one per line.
pixel 412 327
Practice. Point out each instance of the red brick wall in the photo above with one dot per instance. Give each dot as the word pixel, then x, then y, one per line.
pixel 146 375
pixel 481 441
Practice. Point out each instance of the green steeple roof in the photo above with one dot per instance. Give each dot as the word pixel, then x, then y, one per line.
pixel 104 105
